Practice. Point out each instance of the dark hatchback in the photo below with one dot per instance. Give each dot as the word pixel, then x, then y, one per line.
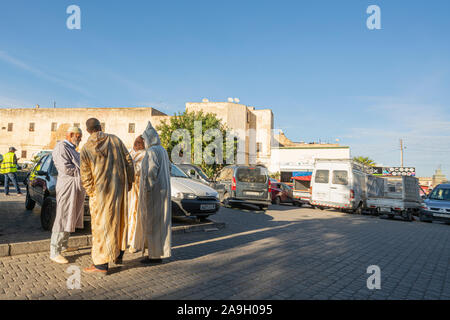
pixel 437 206
pixel 41 189
pixel 245 185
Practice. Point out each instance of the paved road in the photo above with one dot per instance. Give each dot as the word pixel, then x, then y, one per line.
pixel 285 253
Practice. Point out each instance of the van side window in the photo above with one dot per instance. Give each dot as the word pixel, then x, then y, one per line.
pixel 340 177
pixel 322 176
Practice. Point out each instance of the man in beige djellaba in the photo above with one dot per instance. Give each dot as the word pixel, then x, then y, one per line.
pixel 154 194
pixel 135 230
pixel 107 174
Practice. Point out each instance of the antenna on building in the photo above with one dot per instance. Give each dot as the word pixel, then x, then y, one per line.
pixel 230 100
pixel 54 104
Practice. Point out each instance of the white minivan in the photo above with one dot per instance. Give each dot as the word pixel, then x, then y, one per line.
pixel 340 184
pixel 190 197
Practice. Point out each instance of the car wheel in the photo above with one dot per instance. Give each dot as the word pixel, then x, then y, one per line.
pixel 277 201
pixel 298 204
pixel 358 210
pixel 48 214
pixel 321 208
pixel 29 204
pixel 421 218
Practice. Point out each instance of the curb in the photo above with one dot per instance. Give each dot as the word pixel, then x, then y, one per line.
pixel 85 241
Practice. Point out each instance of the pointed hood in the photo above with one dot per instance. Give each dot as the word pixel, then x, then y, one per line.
pixel 150 136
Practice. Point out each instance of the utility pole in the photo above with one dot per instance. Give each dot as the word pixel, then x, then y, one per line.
pixel 401 152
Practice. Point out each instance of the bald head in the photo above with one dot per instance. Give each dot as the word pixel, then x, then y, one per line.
pixel 93 125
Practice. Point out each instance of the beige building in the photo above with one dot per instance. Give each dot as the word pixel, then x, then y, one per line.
pixel 33 130
pixel 439 177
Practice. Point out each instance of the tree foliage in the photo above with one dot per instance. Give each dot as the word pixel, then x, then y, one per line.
pixel 186 120
pixel 365 160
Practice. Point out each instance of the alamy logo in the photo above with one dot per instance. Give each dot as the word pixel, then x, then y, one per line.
pixel 74 20
pixel 374 281
pixel 374 21
pixel 74 281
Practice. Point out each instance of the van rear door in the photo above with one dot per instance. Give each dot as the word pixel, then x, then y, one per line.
pixel 321 185
pixel 340 185
pixel 252 183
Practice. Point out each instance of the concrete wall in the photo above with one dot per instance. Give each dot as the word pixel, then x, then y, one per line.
pixel 116 121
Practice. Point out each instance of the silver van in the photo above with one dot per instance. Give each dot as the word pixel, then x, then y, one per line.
pixel 245 184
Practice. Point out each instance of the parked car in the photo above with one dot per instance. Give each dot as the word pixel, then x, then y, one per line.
pixel 339 184
pixel 437 206
pixel 41 190
pixel 244 184
pixel 282 193
pixel 190 197
pixel 196 173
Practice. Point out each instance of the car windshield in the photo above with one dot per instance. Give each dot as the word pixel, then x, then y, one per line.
pixel 202 174
pixel 177 172
pixel 440 194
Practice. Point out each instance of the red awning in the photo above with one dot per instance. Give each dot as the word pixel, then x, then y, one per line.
pixel 304 178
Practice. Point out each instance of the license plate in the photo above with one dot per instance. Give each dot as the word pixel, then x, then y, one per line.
pixel 442 215
pixel 252 193
pixel 207 206
pixel 385 209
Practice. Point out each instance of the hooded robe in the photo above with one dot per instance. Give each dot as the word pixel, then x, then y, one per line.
pixel 107 174
pixel 135 230
pixel 70 194
pixel 155 202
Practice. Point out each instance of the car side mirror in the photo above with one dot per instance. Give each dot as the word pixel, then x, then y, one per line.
pixel 42 173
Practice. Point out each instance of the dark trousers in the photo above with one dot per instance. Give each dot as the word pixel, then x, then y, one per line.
pixel 106 265
pixel 13 177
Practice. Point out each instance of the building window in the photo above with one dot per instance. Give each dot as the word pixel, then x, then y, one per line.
pixel 258 147
pixel 24 154
pixel 10 127
pixel 31 127
pixel 103 126
pixel 54 126
pixel 76 124
pixel 131 128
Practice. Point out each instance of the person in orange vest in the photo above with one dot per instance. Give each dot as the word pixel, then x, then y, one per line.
pixel 9 169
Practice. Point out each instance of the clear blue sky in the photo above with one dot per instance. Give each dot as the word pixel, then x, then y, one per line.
pixel 314 63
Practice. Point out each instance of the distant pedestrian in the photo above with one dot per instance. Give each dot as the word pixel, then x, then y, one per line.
pixel 155 203
pixel 70 194
pixel 107 174
pixel 9 169
pixel 135 230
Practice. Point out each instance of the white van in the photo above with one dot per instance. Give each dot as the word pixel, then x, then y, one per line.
pixel 190 197
pixel 340 184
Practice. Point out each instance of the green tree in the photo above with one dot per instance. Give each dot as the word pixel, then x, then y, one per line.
pixel 186 120
pixel 365 161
